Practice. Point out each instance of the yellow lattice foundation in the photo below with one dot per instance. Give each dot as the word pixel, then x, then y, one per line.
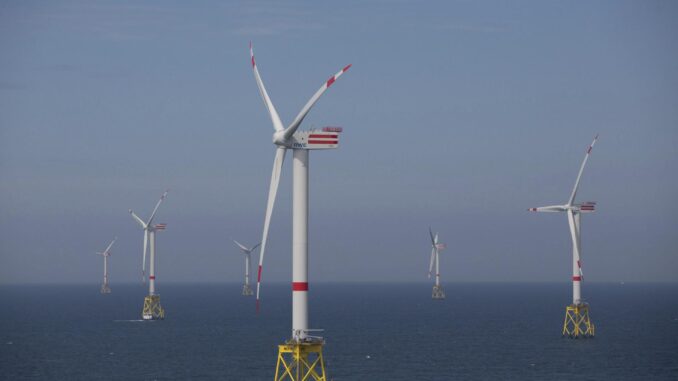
pixel 300 362
pixel 438 292
pixel 152 309
pixel 577 322
pixel 247 290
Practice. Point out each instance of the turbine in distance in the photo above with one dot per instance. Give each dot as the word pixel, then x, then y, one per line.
pixel 247 251
pixel 436 247
pixel 152 309
pixel 105 288
pixel 577 321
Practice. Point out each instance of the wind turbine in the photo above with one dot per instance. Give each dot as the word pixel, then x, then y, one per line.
pixel 436 248
pixel 301 343
pixel 152 309
pixel 246 289
pixel 577 322
pixel 105 289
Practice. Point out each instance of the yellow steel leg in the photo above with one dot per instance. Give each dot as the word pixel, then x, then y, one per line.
pixel 300 362
pixel 577 322
pixel 152 308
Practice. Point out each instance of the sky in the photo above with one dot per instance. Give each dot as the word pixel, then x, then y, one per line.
pixel 457 115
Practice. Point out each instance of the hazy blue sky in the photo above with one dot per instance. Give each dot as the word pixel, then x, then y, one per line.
pixel 457 114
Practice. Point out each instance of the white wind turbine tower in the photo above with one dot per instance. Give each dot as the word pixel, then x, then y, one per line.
pixel 577 322
pixel 301 343
pixel 246 289
pixel 105 288
pixel 436 248
pixel 152 309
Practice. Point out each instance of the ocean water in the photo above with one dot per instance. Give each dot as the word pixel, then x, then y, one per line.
pixel 374 332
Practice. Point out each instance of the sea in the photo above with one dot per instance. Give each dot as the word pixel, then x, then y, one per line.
pixel 373 331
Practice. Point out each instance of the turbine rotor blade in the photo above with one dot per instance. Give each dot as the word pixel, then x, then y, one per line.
pixel 241 246
pixel 110 245
pixel 581 170
pixel 162 197
pixel 255 247
pixel 272 191
pixel 430 232
pixel 137 219
pixel 307 107
pixel 430 266
pixel 275 118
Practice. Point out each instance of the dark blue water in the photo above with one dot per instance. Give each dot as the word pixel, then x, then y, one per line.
pixel 481 332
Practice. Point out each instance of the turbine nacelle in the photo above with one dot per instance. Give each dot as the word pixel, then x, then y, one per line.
pixel 324 138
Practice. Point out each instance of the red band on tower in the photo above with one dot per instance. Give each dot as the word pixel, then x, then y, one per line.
pixel 152 277
pixel 576 278
pixel 299 286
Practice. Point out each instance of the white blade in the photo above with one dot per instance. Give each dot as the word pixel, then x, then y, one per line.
pixel 581 170
pixel 272 191
pixel 139 220
pixel 242 247
pixel 551 208
pixel 433 240
pixel 575 240
pixel 150 220
pixel 302 114
pixel 143 261
pixel 275 118
pixel 254 247
pixel 110 245
pixel 430 266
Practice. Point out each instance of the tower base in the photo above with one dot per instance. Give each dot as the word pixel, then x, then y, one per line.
pixel 300 361
pixel 152 309
pixel 438 292
pixel 105 289
pixel 247 290
pixel 577 322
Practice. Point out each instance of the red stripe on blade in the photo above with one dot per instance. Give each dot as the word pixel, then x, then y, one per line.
pixel 323 142
pixel 346 68
pixel 299 286
pixel 330 81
